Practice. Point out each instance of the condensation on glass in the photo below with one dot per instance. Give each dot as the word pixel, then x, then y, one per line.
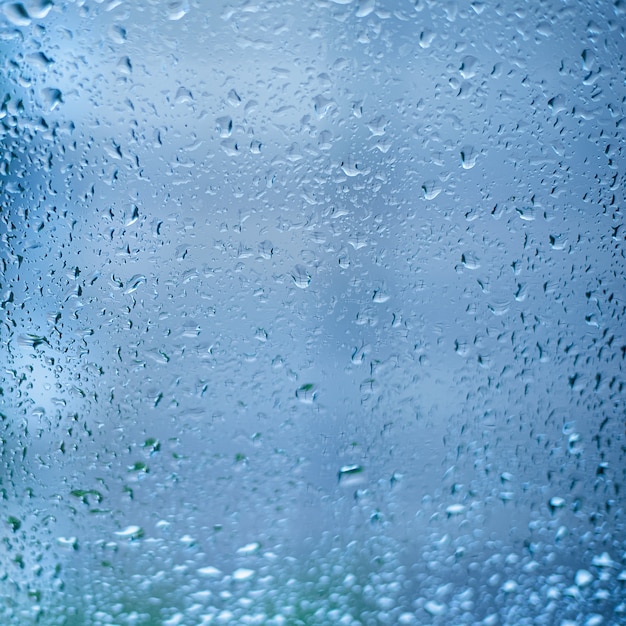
pixel 312 312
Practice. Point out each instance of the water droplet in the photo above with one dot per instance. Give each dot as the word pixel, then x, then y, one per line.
pixel 557 103
pixel 183 95
pixel 426 38
pixel 52 98
pixel 124 66
pixel 233 98
pixel 243 573
pixel 40 60
pixel 117 34
pixel 556 502
pixel 561 533
pixel 261 335
pixel 350 475
pixel 603 560
pixel 365 7
pixel 575 444
pixel 377 126
pixel 134 282
pixel 307 393
pixel 470 261
pixel 583 578
pixel 468 67
pixel 468 157
pixel 130 532
pixel 16 14
pixel 266 249
pixel 224 126
pixel 544 29
pixel 250 548
pixel 359 354
pixel 151 445
pixel 323 106
pixel 69 543
pixel 435 608
pixel 210 572
pixel 301 277
pixel 39 9
pixel 352 167
pixel 431 189
pixel 177 9
pixel 358 241
pixel 87 496
pixel 32 341
pixel 455 509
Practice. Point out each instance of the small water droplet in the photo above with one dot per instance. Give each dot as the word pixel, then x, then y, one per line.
pixel 352 167
pixel 307 393
pixel 266 249
pixel 359 354
pixel 468 157
pixel 435 608
pixel 243 573
pixel 350 475
pixel 575 444
pixel 583 578
pixel 455 509
pixel 426 38
pixel 69 543
pixel 358 241
pixel 117 33
pixel 224 126
pixel 177 9
pixel 248 549
pixel 431 189
pixel 468 67
pixel 209 572
pixel 183 95
pixel 130 532
pixel 377 126
pixel 233 98
pixel 556 502
pixel 323 106
pixel 470 261
pixel 134 283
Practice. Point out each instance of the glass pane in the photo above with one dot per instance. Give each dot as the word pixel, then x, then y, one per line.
pixel 312 312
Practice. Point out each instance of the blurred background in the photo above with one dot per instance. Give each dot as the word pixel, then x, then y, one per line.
pixel 312 313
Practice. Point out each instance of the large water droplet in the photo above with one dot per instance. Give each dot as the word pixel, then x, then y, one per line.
pixel 301 277
pixel 52 98
pixel 16 13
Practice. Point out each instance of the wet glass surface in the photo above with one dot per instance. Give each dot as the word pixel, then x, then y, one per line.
pixel 312 312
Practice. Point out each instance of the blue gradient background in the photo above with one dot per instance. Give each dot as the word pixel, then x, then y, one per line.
pixel 246 245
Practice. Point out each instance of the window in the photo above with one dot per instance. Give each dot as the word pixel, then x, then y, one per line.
pixel 312 312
